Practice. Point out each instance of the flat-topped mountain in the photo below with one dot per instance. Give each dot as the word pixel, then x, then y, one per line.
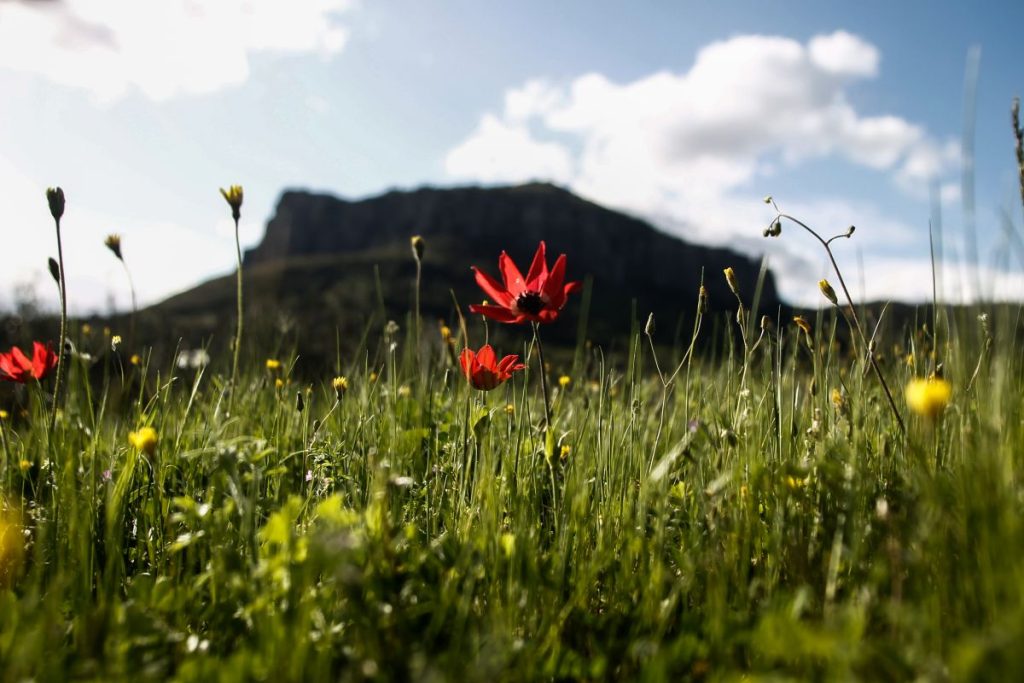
pixel 327 263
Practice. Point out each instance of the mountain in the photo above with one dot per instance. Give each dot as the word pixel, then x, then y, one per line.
pixel 318 267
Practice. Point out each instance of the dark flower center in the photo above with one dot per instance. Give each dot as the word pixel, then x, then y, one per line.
pixel 530 302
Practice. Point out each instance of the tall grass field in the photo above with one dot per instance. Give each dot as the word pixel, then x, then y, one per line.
pixel 748 503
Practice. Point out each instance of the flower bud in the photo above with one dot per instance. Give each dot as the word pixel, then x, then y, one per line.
pixel 730 277
pixel 649 327
pixel 417 244
pixel 300 403
pixel 54 269
pixel 827 290
pixel 113 243
pixel 766 323
pixel 233 196
pixel 55 198
pixel 703 303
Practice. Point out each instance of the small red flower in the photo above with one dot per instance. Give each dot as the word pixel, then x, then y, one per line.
pixel 538 297
pixel 15 366
pixel 484 371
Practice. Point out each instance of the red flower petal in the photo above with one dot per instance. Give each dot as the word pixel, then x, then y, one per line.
pixel 492 288
pixel 538 269
pixel 514 282
pixel 499 313
pixel 553 286
pixel 486 356
pixel 466 359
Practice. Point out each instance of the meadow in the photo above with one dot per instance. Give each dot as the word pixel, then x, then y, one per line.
pixel 756 508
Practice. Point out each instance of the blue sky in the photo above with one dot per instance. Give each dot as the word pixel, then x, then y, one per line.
pixel 684 113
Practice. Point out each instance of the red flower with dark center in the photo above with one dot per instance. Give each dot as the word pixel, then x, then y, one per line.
pixel 538 297
pixel 484 371
pixel 15 366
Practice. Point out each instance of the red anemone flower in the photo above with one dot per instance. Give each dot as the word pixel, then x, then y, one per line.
pixel 484 371
pixel 538 297
pixel 15 366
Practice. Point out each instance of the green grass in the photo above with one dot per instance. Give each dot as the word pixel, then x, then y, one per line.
pixel 424 533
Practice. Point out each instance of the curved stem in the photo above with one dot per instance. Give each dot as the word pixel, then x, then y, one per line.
pixel 856 318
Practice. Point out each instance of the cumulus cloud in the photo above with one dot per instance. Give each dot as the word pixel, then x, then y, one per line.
pixel 502 151
pixel 684 148
pixel 163 49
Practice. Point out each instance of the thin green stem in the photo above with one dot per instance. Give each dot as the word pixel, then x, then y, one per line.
pixel 238 333
pixel 543 377
pixel 58 386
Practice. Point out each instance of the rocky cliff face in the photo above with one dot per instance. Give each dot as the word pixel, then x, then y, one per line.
pixel 321 255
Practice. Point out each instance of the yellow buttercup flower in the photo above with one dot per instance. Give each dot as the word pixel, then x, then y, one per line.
pixel 565 451
pixel 145 440
pixel 564 381
pixel 928 397
pixel 24 465
pixel 4 415
pixel 278 383
pixel 136 359
pixel 273 364
pixel 510 409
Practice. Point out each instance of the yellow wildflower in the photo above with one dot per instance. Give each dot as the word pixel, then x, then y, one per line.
pixel 373 377
pixel 564 381
pixel 24 465
pixel 86 329
pixel 418 245
pixel 233 196
pixel 730 277
pixel 404 391
pixel 510 409
pixel 273 364
pixel 135 359
pixel 113 243
pixel 928 397
pixel 145 440
pixel 508 544
pixel 12 545
pixel 340 384
pixel 4 414
pixel 828 292
pixel 278 383
pixel 565 451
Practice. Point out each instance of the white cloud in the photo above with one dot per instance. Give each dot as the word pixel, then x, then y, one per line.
pixel 685 148
pixel 843 53
pixel 163 49
pixel 505 152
